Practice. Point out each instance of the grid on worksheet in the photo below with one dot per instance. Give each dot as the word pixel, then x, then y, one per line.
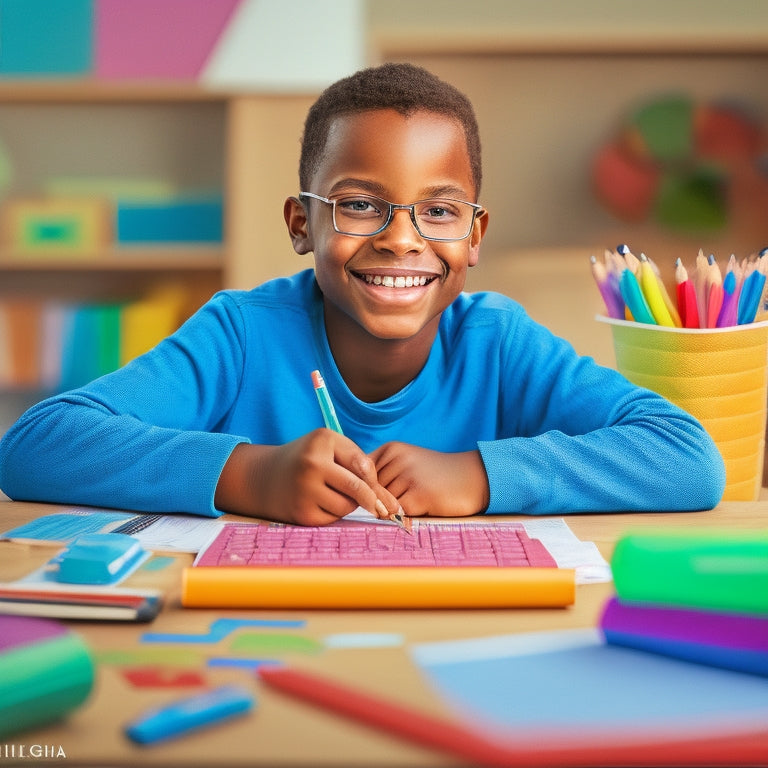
pixel 440 544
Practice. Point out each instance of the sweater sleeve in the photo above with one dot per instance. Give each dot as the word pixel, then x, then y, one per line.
pixel 579 437
pixel 142 438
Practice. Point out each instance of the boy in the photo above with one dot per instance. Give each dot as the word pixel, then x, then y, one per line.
pixel 451 404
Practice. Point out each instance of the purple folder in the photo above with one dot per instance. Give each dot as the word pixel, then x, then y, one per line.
pixel 729 640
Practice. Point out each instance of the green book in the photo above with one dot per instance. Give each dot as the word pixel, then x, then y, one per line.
pixel 711 569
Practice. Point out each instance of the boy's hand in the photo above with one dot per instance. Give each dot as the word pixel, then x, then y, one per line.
pixel 428 482
pixel 314 480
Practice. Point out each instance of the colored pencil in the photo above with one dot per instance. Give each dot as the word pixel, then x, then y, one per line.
pixel 728 311
pixel 652 291
pixel 752 291
pixel 634 299
pixel 668 300
pixel 705 297
pixel 630 259
pixel 714 292
pixel 326 405
pixel 608 286
pixel 686 297
pixel 332 422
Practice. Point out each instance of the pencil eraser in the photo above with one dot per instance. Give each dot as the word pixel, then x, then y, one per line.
pixel 99 558
pixel 190 714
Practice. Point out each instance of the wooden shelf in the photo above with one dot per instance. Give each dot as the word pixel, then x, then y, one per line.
pixel 565 27
pixel 182 258
pixel 494 41
pixel 93 91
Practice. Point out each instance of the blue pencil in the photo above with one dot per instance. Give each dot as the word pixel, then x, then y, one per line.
pixel 634 299
pixel 751 293
pixel 332 422
pixel 326 405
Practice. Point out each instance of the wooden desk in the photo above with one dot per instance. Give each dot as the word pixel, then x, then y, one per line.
pixel 282 732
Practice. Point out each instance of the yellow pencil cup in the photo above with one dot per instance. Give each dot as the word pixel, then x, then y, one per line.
pixel 718 375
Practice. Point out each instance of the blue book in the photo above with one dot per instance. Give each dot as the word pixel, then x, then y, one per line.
pixel 198 220
pixel 46 37
pixel 92 346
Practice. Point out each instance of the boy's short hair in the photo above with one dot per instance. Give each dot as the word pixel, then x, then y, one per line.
pixel 405 88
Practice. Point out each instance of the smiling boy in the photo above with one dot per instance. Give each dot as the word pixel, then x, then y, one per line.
pixel 450 403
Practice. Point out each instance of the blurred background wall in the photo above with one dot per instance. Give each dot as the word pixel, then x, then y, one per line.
pixel 151 107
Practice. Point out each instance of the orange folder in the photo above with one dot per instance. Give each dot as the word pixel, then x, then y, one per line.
pixel 377 587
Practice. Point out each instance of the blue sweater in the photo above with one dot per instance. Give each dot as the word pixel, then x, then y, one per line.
pixel 557 433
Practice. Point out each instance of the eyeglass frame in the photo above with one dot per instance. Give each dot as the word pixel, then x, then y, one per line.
pixel 476 210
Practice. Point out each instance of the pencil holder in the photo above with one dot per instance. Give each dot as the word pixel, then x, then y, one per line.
pixel 718 375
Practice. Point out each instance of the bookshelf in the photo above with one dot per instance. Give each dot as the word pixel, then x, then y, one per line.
pixel 243 144
pixel 72 128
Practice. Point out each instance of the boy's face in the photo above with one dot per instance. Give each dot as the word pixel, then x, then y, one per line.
pixel 402 160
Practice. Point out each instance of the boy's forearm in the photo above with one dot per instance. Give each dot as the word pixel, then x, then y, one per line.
pixel 239 489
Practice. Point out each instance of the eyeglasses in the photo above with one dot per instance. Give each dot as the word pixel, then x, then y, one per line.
pixel 438 218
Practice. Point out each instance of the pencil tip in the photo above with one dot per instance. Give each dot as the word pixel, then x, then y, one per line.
pixel 402 520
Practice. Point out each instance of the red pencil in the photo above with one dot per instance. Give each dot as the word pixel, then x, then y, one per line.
pixel 714 293
pixel 686 297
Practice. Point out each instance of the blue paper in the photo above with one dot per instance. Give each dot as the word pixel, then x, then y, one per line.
pixel 571 683
pixel 67 527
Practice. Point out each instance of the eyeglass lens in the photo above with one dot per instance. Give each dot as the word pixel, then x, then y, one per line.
pixel 438 218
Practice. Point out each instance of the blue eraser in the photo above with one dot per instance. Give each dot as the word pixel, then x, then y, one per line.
pixel 99 558
pixel 199 711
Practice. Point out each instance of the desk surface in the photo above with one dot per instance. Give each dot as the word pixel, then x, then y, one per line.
pixel 283 732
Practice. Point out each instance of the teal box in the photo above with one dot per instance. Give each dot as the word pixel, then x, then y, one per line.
pixel 46 37
pixel 170 221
